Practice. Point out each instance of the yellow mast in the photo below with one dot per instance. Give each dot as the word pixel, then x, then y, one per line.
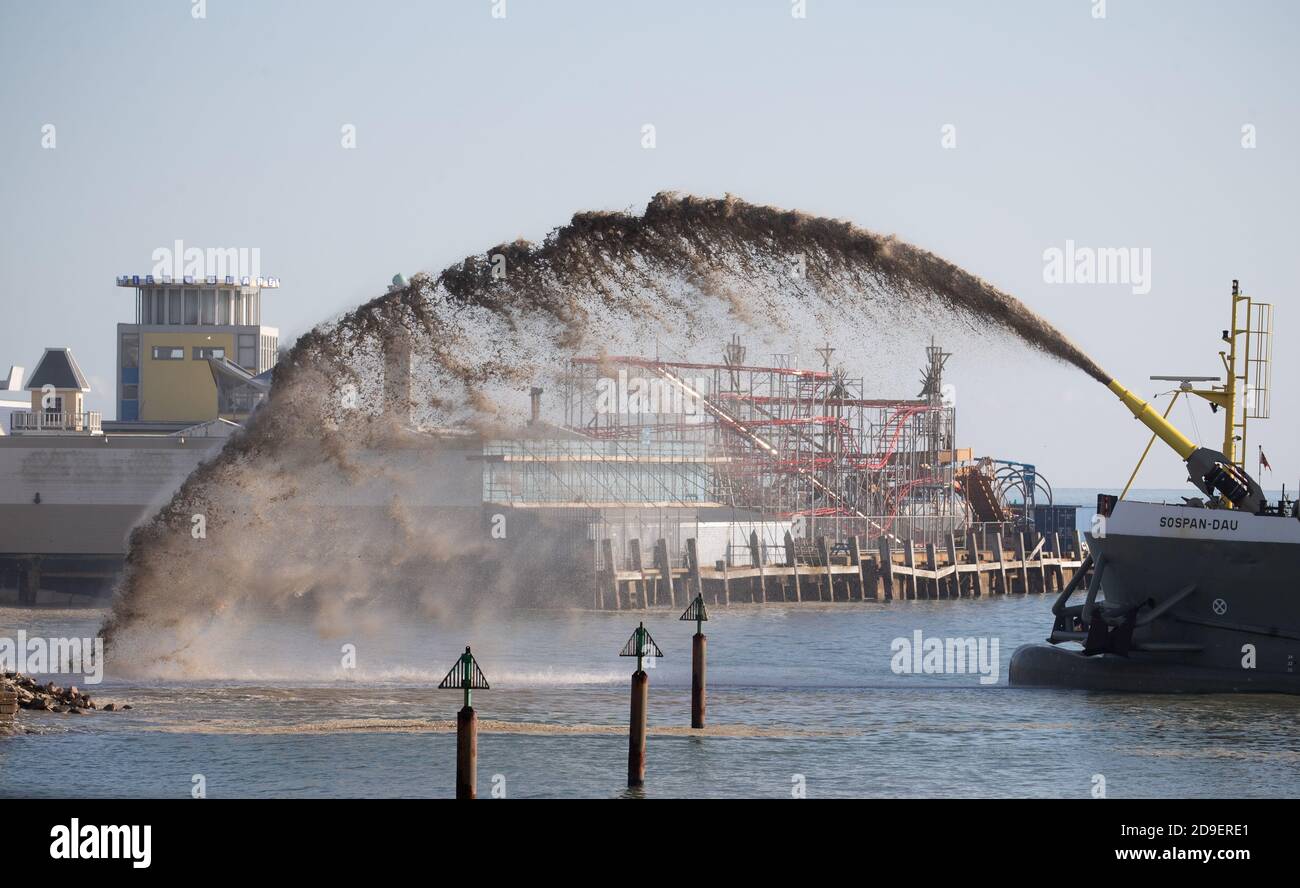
pixel 1225 397
pixel 1253 382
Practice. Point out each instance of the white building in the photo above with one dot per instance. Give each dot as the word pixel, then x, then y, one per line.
pixel 71 492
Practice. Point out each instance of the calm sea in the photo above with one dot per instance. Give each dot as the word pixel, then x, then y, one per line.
pixel 799 696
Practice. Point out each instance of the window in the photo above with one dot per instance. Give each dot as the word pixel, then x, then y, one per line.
pixel 54 404
pixel 248 351
pixel 191 306
pixel 202 353
pixel 223 306
pixel 131 392
pixel 208 299
pixel 130 350
pixel 173 306
pixel 168 353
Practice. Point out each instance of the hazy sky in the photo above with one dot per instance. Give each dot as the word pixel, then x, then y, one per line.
pixel 1122 131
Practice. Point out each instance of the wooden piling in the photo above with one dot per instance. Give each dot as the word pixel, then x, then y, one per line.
pixel 976 576
pixel 1058 572
pixel 792 562
pixel 1020 557
pixel 699 647
pixel 855 558
pixel 693 565
pixel 824 553
pixel 466 753
pixel 999 555
pixel 665 570
pixel 870 578
pixel 636 729
pixel 634 550
pixel 887 567
pixel 933 588
pixel 909 561
pixel 1043 571
pixel 610 585
pixel 939 570
pixel 756 558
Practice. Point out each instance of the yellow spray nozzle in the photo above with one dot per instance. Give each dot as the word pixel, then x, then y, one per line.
pixel 1163 429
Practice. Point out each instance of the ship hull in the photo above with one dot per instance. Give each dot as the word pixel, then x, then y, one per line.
pixel 1227 589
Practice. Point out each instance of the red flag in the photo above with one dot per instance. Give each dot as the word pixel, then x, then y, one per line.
pixel 1263 460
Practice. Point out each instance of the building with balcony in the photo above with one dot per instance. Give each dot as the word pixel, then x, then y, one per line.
pixel 192 365
pixel 72 488
pixel 58 389
pixel 165 358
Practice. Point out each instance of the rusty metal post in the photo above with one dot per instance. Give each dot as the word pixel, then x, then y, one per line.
pixel 640 645
pixel 466 753
pixel 636 729
pixel 699 653
pixel 466 677
pixel 699 648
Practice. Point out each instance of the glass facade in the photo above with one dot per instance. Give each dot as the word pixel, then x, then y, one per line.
pixel 173 306
pixel 594 472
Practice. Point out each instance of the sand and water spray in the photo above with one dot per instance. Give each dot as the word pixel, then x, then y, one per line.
pixel 326 511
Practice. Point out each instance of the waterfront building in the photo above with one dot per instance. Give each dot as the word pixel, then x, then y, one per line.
pixel 192 365
pixel 163 357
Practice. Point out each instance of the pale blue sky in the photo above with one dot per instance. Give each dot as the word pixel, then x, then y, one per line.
pixel 471 130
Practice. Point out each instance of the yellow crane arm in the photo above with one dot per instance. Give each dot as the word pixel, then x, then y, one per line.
pixel 1163 429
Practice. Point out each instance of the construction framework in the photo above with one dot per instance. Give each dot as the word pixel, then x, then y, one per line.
pixel 645 439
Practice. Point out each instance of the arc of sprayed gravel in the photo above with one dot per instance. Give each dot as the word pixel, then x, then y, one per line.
pixel 611 255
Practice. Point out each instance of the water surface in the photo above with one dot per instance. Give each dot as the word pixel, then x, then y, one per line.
pixel 798 693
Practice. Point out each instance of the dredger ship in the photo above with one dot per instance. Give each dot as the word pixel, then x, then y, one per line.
pixel 1198 597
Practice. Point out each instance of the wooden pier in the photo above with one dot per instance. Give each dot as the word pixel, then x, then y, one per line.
pixel 824 571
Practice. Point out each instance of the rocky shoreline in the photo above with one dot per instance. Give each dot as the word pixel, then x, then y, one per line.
pixel 18 691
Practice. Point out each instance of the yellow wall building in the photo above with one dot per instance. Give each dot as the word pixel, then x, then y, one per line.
pixel 175 382
pixel 163 366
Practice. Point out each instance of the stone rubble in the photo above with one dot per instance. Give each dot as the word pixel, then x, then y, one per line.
pixel 19 691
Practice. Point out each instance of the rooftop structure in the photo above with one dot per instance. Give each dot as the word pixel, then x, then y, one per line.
pixel 163 357
pixel 57 391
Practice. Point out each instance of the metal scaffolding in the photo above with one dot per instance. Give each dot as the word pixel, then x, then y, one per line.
pixel 769 442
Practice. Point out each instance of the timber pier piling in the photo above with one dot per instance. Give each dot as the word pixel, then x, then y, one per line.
pixel 840 571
